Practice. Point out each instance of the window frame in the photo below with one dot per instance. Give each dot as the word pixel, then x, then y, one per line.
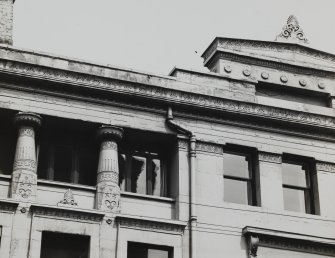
pixel 308 190
pixel 251 180
pixel 147 246
pixel 149 156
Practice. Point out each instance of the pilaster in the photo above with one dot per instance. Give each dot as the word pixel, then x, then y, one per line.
pixel 24 179
pixel 270 182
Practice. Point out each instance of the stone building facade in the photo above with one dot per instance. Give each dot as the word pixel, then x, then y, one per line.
pixel 239 161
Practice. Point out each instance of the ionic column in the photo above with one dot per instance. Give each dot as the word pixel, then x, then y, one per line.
pixel 24 178
pixel 270 181
pixel 108 190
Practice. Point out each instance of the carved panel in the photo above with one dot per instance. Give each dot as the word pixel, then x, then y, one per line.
pixel 68 199
pixel 24 185
pixel 209 147
pixel 109 145
pixel 25 164
pixel 325 166
pixel 269 157
pixel 108 197
pixel 108 176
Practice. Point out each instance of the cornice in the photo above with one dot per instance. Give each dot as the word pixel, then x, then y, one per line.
pixel 170 96
pixel 151 224
pixel 289 241
pixel 66 213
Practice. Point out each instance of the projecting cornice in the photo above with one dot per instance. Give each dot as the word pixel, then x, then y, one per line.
pixel 166 90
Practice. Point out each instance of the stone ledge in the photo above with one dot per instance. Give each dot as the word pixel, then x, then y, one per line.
pixel 151 224
pixel 288 241
pixel 56 212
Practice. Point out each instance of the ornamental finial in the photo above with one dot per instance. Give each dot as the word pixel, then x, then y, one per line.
pixel 292 32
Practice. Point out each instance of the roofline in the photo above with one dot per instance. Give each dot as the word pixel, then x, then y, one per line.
pixel 269 42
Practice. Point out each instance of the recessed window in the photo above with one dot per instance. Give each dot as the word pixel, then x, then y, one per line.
pixel 297 185
pixel 238 178
pixel 55 245
pixel 140 250
pixel 144 163
pixel 143 172
pixel 68 152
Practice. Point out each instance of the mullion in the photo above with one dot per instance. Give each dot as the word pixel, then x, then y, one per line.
pixel 295 187
pixel 237 178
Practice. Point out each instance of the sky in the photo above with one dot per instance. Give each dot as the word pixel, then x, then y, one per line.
pixel 156 35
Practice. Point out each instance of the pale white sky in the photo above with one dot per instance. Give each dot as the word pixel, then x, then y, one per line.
pixel 156 35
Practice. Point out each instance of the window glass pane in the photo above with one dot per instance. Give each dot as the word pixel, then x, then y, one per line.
pixel 156 177
pixel 235 191
pixel 63 164
pixel 155 253
pixel 138 175
pixel 87 167
pixel 122 172
pixel 294 200
pixel 43 162
pixel 294 175
pixel 235 165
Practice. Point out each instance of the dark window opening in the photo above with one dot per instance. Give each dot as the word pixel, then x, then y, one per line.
pixel 298 184
pixel 143 164
pixel 239 178
pixel 292 94
pixel 8 138
pixel 68 152
pixel 140 250
pixel 55 245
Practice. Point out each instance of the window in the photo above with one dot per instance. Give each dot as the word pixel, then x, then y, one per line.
pixel 143 163
pixel 238 170
pixel 140 250
pixel 297 185
pixel 142 172
pixel 55 245
pixel 67 152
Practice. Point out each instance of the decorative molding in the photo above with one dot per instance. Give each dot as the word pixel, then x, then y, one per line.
pixel 24 184
pixel 109 133
pixel 183 144
pixel 28 119
pixel 108 197
pixel 109 145
pixel 109 176
pixel 209 147
pixel 292 32
pixel 150 224
pixel 253 245
pixel 269 157
pixel 290 241
pixel 8 205
pixel 25 164
pixel 68 199
pixel 67 213
pixel 325 166
pixel 164 94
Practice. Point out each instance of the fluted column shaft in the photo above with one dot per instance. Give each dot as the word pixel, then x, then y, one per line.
pixel 24 178
pixel 108 190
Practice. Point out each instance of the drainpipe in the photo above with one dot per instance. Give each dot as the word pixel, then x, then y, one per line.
pixel 192 156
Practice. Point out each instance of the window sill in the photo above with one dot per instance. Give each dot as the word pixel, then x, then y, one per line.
pixel 147 197
pixel 64 184
pixel 5 177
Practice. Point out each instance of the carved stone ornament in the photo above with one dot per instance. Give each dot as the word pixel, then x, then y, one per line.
pixel 24 185
pixel 68 199
pixel 28 119
pixel 269 157
pixel 108 197
pixel 325 166
pixel 107 132
pixel 253 245
pixel 292 32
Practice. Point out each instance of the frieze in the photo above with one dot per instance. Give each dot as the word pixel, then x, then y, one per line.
pixel 109 176
pixel 325 166
pixel 179 96
pixel 297 245
pixel 109 145
pixel 269 157
pixel 66 212
pixel 150 225
pixel 209 147
pixel 25 164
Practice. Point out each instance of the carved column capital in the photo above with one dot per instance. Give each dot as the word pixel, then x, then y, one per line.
pixel 269 157
pixel 28 119
pixel 111 133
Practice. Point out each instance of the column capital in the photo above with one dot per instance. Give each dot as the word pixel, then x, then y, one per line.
pixel 28 119
pixel 108 132
pixel 269 157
